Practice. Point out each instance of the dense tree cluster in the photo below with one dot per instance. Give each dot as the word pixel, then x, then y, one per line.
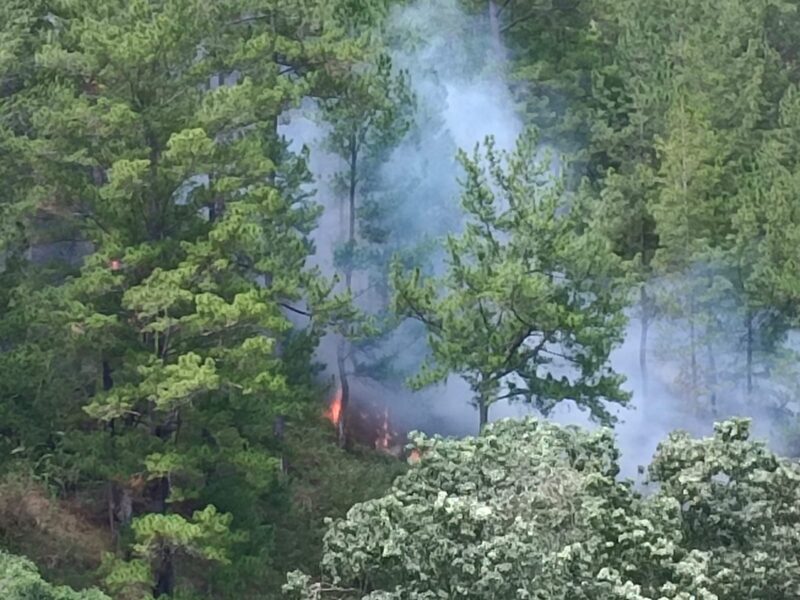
pixel 19 580
pixel 529 292
pixel 148 132
pixel 534 510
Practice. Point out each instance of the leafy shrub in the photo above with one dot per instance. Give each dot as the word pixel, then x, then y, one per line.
pixel 532 510
pixel 19 580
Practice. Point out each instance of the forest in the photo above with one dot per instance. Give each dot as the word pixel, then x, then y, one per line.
pixel 400 299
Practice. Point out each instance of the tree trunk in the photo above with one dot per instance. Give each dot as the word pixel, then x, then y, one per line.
pixel 712 376
pixel 749 341
pixel 351 198
pixel 494 29
pixel 693 356
pixel 112 526
pixel 161 496
pixel 645 323
pixel 483 410
pixel 108 380
pixel 341 354
pixel 340 359
pixel 125 508
pixel 165 571
pixel 108 383
pixel 278 430
pixel 165 575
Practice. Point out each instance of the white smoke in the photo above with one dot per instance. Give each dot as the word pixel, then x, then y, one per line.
pixel 459 101
pixel 461 98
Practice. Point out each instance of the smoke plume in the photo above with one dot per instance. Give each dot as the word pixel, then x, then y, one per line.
pixel 456 75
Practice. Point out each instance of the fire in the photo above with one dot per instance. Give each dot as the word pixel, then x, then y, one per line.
pixel 384 437
pixel 368 423
pixel 334 411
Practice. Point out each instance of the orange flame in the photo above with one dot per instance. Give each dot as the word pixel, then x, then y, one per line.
pixel 334 410
pixel 383 439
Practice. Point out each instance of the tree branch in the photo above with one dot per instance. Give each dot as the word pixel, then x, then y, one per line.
pixel 530 14
pixel 497 376
pixel 504 6
pixel 250 19
pixel 417 313
pixel 299 311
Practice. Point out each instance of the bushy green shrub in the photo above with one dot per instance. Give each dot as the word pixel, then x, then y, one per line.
pixel 19 580
pixel 532 510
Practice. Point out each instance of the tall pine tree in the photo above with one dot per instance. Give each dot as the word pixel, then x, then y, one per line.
pixel 528 308
pixel 149 131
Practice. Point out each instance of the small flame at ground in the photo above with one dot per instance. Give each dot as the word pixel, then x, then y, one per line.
pixel 384 437
pixel 368 424
pixel 334 411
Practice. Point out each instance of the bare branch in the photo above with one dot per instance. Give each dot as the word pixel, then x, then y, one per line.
pixel 250 19
pixel 532 13
pixel 296 310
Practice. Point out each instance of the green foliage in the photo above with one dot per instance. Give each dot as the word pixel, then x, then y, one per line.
pixel 366 120
pixel 206 536
pixel 528 308
pixel 144 368
pixel 683 114
pixel 166 357
pixel 738 506
pixel 533 510
pixel 19 580
pixel 324 481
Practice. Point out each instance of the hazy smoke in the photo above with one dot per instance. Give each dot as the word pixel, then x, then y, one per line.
pixel 462 98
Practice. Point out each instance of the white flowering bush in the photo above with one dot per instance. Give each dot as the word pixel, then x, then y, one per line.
pixel 531 510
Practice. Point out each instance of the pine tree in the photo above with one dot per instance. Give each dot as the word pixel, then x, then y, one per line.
pixel 680 97
pixel 710 71
pixel 366 116
pixel 766 230
pixel 528 307
pixel 151 131
pixel 367 119
pixel 628 103
pixel 684 213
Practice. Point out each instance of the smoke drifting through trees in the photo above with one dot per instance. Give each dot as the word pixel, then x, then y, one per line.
pixel 461 97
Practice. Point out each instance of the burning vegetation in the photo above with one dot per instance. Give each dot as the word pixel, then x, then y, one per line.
pixel 365 422
pixel 334 411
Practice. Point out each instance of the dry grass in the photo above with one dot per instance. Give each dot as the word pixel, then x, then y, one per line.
pixel 58 535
